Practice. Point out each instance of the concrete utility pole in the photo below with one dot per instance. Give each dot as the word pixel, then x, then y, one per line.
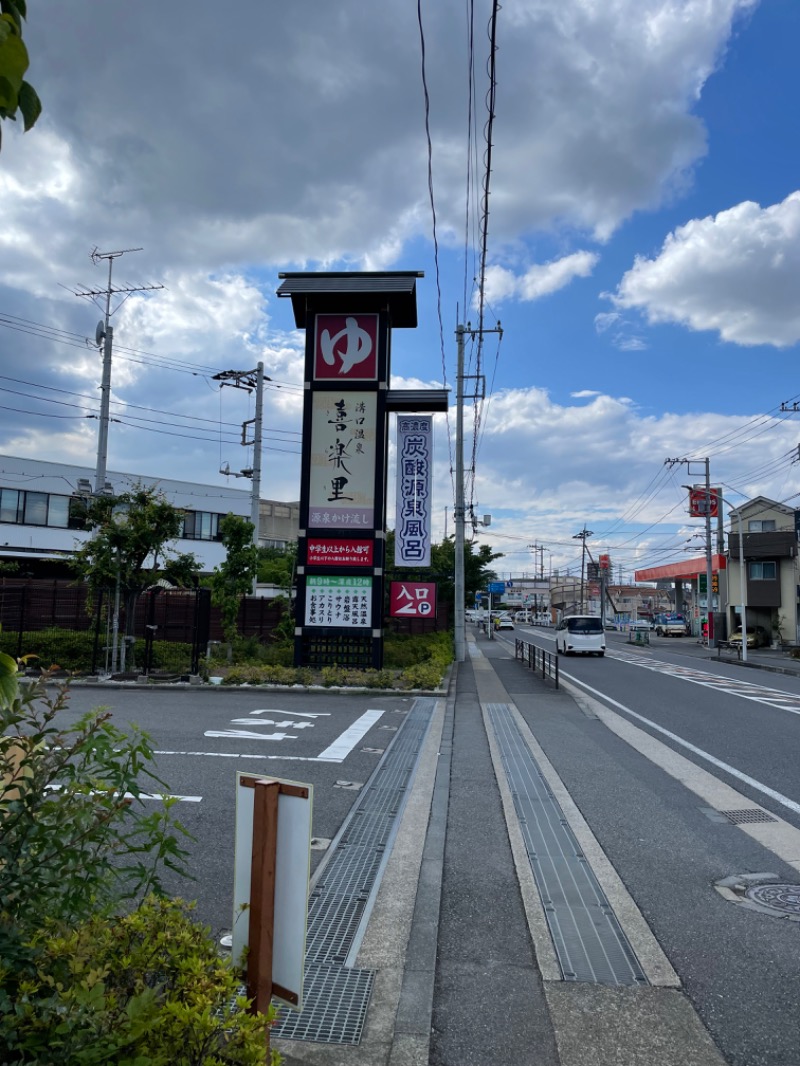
pixel 459 511
pixel 104 336
pixel 709 561
pixel 584 533
pixel 249 380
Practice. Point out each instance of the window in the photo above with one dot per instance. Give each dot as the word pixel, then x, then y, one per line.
pixel 58 511
pixel 763 571
pixel 201 525
pixel 34 508
pixel 761 525
pixel 10 505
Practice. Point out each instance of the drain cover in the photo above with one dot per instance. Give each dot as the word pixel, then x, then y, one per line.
pixel 783 899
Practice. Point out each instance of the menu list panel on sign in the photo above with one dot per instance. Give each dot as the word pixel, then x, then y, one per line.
pixel 339 601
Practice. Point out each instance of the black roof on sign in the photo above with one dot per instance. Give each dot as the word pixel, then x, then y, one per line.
pixel 358 291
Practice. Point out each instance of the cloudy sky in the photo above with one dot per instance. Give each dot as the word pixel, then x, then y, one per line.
pixel 642 242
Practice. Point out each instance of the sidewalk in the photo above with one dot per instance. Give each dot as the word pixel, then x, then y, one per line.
pixel 493 990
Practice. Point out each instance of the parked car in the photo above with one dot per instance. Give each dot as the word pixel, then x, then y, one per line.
pixel 757 637
pixel 641 623
pixel 524 617
pixel 580 633
pixel 503 621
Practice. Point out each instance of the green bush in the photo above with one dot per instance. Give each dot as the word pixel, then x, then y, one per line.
pixel 402 650
pixel 89 973
pixel 423 675
pixel 69 649
pixel 145 989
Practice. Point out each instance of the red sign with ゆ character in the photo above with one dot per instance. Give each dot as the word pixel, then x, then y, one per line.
pixel 346 348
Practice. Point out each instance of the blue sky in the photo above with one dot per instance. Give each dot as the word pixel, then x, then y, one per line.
pixel 643 242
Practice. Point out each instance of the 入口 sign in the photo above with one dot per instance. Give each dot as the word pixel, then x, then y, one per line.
pixel 412 599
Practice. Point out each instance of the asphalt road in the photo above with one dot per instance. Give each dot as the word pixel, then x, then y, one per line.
pixel 203 737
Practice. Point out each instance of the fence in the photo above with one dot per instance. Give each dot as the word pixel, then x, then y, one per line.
pixel 67 626
pixel 63 624
pixel 537 659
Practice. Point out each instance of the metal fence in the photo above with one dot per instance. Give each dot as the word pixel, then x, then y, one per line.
pixel 537 659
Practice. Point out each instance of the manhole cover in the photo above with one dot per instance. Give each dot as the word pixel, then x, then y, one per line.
pixel 785 899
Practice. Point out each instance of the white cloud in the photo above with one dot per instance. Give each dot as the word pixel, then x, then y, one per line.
pixel 734 273
pixel 539 280
pixel 544 468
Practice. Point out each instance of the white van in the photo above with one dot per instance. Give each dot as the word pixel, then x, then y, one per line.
pixel 580 633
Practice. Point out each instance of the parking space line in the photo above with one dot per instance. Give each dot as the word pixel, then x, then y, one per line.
pixel 345 743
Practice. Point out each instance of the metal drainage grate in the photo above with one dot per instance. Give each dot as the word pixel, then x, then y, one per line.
pixel 781 899
pixel 335 997
pixel 748 814
pixel 588 939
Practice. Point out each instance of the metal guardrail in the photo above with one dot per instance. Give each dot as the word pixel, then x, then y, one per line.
pixel 537 659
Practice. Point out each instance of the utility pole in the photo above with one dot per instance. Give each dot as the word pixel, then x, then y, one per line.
pixel 459 514
pixel 707 512
pixel 584 533
pixel 104 336
pixel 249 380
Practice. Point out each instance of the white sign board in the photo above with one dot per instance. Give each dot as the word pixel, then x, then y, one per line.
pixel 292 871
pixel 412 535
pixel 339 601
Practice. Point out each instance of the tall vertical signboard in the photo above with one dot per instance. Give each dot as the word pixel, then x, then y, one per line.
pixel 412 535
pixel 348 318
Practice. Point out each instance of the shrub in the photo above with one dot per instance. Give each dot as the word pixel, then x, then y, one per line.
pixel 148 988
pixel 423 675
pixel 69 649
pixel 90 974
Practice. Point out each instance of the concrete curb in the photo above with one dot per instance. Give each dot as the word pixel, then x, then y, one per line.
pixel 412 1031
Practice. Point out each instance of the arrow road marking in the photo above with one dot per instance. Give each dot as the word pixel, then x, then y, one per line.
pixel 269 721
pixel 246 735
pixel 297 714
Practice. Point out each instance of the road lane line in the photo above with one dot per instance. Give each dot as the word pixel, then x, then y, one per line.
pixel 745 778
pixel 345 743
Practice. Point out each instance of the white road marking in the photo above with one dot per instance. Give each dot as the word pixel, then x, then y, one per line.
pixel 270 721
pixel 247 735
pixel 142 795
pixel 771 697
pixel 297 714
pixel 344 744
pixel 240 755
pixel 765 789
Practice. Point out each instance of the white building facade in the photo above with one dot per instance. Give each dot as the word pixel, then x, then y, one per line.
pixel 41 507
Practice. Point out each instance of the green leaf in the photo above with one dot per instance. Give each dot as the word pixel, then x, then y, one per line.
pixel 9 684
pixel 8 97
pixel 13 53
pixel 16 9
pixel 29 104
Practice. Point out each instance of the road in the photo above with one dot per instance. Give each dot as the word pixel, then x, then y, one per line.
pixel 663 739
pixel 202 738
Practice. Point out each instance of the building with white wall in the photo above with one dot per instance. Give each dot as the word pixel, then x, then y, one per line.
pixel 41 507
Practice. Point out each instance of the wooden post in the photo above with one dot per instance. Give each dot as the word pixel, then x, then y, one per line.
pixel 262 896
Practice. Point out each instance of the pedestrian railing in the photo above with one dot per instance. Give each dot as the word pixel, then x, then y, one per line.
pixel 537 659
